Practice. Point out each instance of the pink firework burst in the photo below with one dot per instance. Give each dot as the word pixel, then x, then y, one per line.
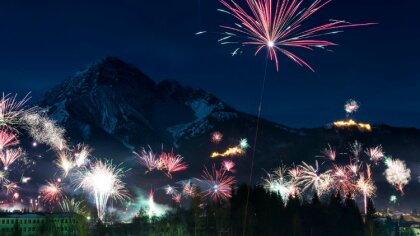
pixel 330 153
pixel 279 25
pixel 218 184
pixel 148 159
pixel 188 189
pixel 216 137
pixel 51 192
pixel 10 156
pixel 228 166
pixel 343 180
pixel 7 139
pixel 177 198
pixel 376 154
pixel 171 163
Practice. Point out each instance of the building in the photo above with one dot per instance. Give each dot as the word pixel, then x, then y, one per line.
pixel 32 224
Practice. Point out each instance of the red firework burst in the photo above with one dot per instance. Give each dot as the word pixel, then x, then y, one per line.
pixel 219 184
pixel 171 163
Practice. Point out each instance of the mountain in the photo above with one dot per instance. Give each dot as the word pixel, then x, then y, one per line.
pixel 116 108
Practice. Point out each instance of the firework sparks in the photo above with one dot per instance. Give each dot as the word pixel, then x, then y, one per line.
pixel 103 181
pixel 170 190
pixel 243 144
pixel 279 26
pixel 310 178
pixel 44 130
pixel 356 149
pixel 65 163
pixel 10 156
pixel 177 197
pixel 278 182
pixel 375 154
pixel 152 206
pixel 343 180
pixel 228 166
pixel 367 188
pixel 397 173
pixel 219 184
pixel 81 154
pixel 71 205
pixel 12 110
pixel 51 192
pixel 351 106
pixel 188 189
pixel 393 199
pixel 7 139
pixel 171 163
pixel 216 137
pixel 330 153
pixel 148 159
pixel 11 187
pixel 234 151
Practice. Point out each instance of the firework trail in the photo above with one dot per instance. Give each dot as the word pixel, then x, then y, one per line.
pixel 228 166
pixel 356 149
pixel 103 181
pixel 9 156
pixel 279 26
pixel 234 151
pixel 171 163
pixel 43 130
pixel 7 139
pixel 216 137
pixel 375 154
pixel 12 110
pixel 51 192
pixel 148 159
pixel 397 173
pixel 152 206
pixel 64 162
pixel 81 154
pixel 330 153
pixel 310 178
pixel 367 188
pixel 351 107
pixel 218 184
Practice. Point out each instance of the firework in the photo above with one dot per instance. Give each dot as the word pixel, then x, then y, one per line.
pixel 81 154
pixel 10 156
pixel 25 180
pixel 279 26
pixel 12 110
pixel 356 149
pixel 393 199
pixel 216 137
pixel 188 189
pixel 228 166
pixel 72 205
pixel 148 159
pixel 397 173
pixel 310 178
pixel 218 184
pixel 294 173
pixel 170 190
pixel 278 182
pixel 7 139
pixel 51 192
pixel 177 197
pixel 171 163
pixel 375 154
pixel 152 206
pixel 330 153
pixel 367 188
pixel 65 163
pixel 343 180
pixel 234 151
pixel 351 106
pixel 11 187
pixel 243 144
pixel 353 168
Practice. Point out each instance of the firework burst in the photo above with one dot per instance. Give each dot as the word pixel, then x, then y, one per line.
pixel 81 154
pixel 310 178
pixel 397 173
pixel 279 25
pixel 72 205
pixel 103 181
pixel 375 154
pixel 218 184
pixel 12 110
pixel 228 166
pixel 343 180
pixel 7 139
pixel 188 189
pixel 366 187
pixel 64 162
pixel 147 159
pixel 9 156
pixel 171 163
pixel 278 182
pixel 51 192
pixel 216 137
pixel 330 153
pixel 351 107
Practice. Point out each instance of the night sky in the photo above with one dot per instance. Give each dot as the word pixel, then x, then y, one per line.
pixel 43 42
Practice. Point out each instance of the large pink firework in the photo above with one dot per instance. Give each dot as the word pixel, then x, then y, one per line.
pixel 228 166
pixel 218 184
pixel 376 154
pixel 51 192
pixel 279 25
pixel 10 156
pixel 171 163
pixel 148 159
pixel 343 180
pixel 330 153
pixel 7 139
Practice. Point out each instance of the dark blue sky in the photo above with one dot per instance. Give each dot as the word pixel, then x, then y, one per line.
pixel 42 42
